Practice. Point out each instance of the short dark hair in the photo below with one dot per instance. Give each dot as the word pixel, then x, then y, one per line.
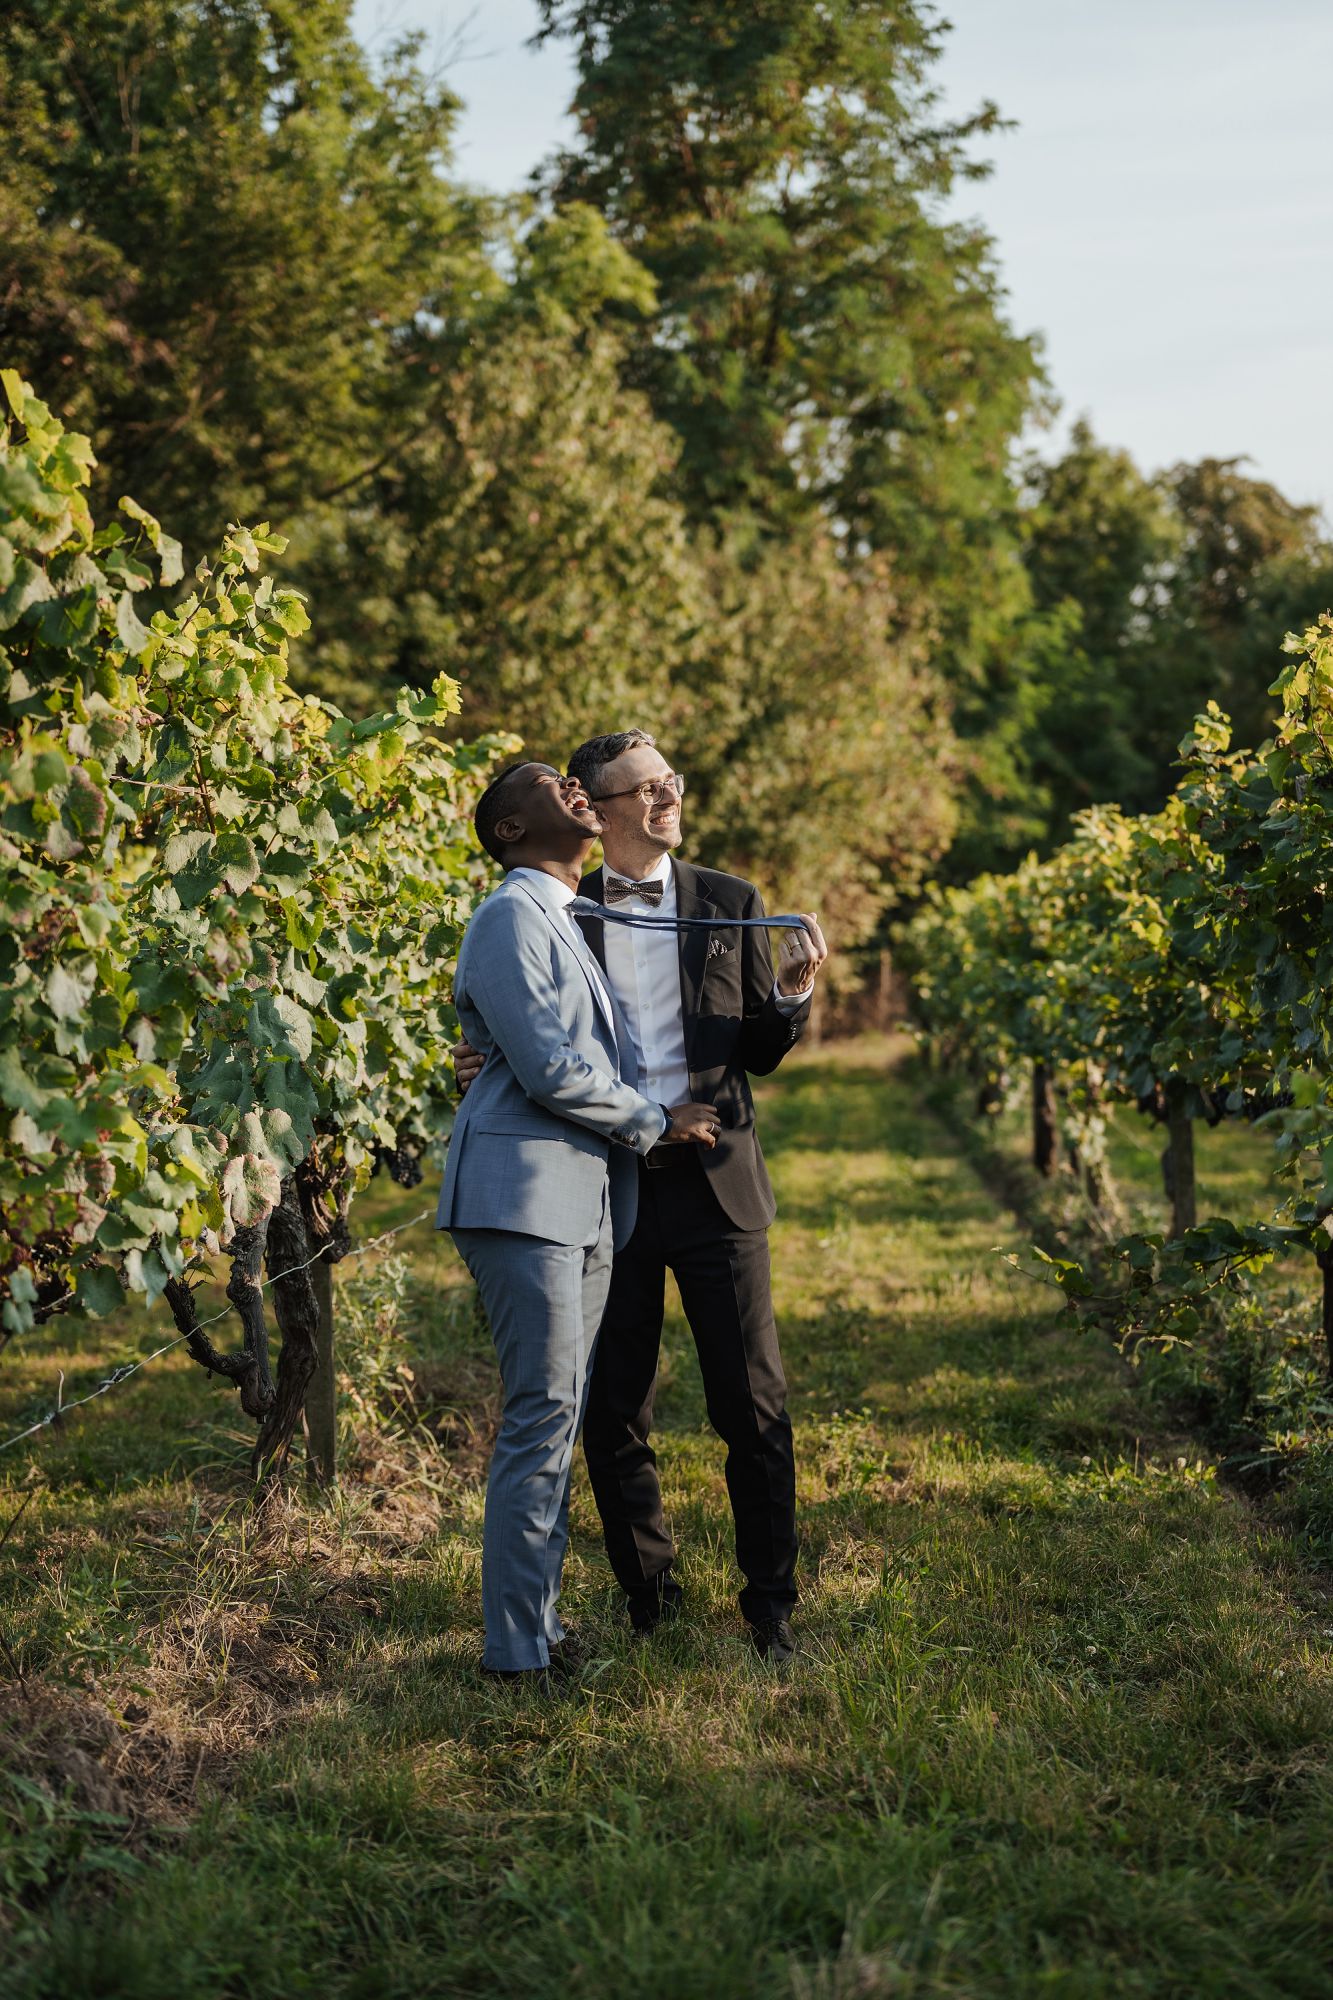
pixel 592 757
pixel 491 808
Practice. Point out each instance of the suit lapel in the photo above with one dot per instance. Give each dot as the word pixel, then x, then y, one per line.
pixel 691 902
pixel 611 1027
pixel 594 934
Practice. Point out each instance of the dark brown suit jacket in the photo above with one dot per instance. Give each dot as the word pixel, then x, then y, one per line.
pixel 734 1028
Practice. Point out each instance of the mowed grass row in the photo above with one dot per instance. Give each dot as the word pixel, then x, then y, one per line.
pixel 1060 1725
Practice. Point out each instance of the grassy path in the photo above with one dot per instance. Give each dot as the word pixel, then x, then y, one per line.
pixel 1061 1726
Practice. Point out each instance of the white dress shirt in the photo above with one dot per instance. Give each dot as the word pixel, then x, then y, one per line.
pixel 643 967
pixel 644 970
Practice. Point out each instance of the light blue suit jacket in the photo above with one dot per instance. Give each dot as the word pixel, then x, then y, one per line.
pixel 554 1110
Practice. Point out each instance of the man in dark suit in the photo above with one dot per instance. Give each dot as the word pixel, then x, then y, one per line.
pixel 706 1011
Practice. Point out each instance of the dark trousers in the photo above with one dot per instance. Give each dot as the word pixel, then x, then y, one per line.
pixel 723 1276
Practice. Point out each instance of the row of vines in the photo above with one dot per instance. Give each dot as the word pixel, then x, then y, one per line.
pixel 227 920
pixel 1182 962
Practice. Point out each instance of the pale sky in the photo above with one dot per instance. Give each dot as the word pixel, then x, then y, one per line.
pixel 1163 213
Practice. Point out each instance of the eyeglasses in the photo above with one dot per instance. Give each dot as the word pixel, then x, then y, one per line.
pixel 672 786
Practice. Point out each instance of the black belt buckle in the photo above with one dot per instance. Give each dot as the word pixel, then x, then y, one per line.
pixel 661 1155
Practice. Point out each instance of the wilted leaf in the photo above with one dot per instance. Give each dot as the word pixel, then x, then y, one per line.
pixel 85 805
pixel 135 636
pixel 251 1187
pixel 68 989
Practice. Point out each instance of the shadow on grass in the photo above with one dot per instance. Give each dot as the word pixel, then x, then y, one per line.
pixel 1038 1677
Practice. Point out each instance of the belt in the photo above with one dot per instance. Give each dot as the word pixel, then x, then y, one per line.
pixel 676 1155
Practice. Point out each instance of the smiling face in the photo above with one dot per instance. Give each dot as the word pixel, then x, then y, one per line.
pixel 636 826
pixel 543 815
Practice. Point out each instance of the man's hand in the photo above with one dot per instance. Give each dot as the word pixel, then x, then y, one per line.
pixel 468 1064
pixel 692 1125
pixel 802 954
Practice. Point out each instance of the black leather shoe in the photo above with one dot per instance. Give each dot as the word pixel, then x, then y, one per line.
pixel 774 1641
pixel 659 1604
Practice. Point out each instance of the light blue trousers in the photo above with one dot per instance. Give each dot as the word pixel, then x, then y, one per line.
pixel 544 1302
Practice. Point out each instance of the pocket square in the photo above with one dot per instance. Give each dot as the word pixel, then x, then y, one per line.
pixel 718 947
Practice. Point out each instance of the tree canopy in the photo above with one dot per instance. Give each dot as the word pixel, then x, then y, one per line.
pixel 828 341
pixel 232 255
pixel 718 432
pixel 1170 592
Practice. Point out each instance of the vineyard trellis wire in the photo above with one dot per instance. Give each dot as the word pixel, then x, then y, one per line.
pixel 128 1368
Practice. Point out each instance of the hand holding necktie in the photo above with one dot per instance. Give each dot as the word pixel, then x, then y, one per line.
pixel 803 952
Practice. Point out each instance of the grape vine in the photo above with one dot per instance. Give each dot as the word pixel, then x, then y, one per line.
pixel 1181 961
pixel 228 917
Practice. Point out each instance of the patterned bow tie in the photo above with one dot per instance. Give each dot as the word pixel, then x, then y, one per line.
pixel 617 891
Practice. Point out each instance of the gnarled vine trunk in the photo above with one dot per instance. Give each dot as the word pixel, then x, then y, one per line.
pixel 296 1310
pixel 1178 1160
pixel 1324 1259
pixel 286 1243
pixel 249 1367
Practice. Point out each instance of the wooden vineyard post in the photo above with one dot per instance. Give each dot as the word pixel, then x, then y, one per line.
pixel 321 1415
pixel 1095 1173
pixel 1044 1136
pixel 1178 1160
pixel 1324 1259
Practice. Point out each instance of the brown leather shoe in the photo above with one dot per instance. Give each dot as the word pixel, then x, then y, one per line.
pixel 569 1655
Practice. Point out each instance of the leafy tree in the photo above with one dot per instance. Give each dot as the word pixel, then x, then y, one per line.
pixel 1101 541
pixel 525 543
pixel 1172 592
pixel 823 336
pixel 818 748
pixel 1101 535
pixel 230 249
pixel 825 342
pixel 1253 566
pixel 521 541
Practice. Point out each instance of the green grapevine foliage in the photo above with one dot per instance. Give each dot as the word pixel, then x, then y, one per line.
pixel 227 915
pixel 1181 957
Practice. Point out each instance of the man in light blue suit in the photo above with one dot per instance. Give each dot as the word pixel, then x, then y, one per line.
pixel 541 1185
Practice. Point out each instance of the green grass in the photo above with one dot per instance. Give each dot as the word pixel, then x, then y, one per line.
pixel 1060 1726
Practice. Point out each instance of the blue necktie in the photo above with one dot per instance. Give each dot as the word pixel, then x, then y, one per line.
pixel 584 906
